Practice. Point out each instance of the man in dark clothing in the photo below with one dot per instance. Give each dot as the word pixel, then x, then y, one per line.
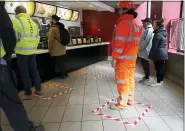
pixel 9 99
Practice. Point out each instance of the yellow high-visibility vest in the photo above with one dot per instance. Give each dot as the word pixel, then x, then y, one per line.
pixel 27 34
pixel 2 51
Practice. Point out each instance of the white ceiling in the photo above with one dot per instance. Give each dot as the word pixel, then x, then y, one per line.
pixel 83 5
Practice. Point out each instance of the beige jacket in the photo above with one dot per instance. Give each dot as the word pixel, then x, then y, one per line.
pixel 55 47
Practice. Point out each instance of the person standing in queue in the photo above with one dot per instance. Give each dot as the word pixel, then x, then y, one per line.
pixel 158 51
pixel 57 49
pixel 145 45
pixel 27 33
pixel 125 49
pixel 9 99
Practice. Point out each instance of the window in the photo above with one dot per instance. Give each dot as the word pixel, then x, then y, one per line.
pixel 177 33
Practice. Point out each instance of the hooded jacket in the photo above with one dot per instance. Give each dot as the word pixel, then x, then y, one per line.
pixel 145 43
pixel 159 51
pixel 55 47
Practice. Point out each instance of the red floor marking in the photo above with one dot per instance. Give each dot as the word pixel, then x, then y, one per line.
pixel 54 96
pixel 119 120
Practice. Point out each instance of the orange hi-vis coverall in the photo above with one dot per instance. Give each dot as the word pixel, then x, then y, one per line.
pixel 125 49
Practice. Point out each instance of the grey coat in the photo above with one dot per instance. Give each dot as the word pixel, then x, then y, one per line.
pixel 159 51
pixel 145 42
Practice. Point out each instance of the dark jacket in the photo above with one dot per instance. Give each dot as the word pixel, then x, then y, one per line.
pixel 7 33
pixel 158 50
pixel 55 47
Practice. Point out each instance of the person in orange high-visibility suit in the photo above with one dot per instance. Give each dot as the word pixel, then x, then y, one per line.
pixel 125 48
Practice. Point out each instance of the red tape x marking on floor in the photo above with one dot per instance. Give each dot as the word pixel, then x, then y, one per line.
pixel 54 96
pixel 119 120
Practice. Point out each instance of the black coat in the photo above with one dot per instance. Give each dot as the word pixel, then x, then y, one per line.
pixel 7 33
pixel 158 50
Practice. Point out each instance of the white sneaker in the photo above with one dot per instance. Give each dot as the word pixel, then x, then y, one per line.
pixel 156 85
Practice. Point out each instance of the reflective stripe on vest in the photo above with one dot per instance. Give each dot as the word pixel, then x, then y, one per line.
pixel 120 82
pixel 118 50
pixel 129 39
pixel 126 39
pixel 127 57
pixel 124 96
pixel 131 95
pixel 24 48
pixel 2 53
pixel 24 35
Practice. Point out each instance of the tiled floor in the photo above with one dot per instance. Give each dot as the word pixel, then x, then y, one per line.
pixel 71 111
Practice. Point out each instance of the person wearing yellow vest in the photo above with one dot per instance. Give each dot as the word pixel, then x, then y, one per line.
pixel 27 33
pixel 9 99
pixel 125 48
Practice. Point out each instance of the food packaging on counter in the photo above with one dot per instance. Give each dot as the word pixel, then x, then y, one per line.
pixel 74 41
pixel 84 40
pixel 79 41
pixel 96 40
pixel 92 40
pixel 88 40
pixel 99 39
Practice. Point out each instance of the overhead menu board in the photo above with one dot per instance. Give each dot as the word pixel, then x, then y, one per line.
pixel 44 10
pixel 11 5
pixel 64 14
pixel 75 16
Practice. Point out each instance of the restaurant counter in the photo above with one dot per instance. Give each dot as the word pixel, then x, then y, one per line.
pixel 77 57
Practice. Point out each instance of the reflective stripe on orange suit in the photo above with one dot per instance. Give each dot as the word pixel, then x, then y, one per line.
pixel 125 49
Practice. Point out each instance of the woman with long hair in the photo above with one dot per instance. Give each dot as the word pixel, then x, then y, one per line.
pixel 159 52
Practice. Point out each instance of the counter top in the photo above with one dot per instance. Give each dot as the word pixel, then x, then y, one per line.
pixel 42 51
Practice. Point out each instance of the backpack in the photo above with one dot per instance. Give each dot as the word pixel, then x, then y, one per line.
pixel 64 36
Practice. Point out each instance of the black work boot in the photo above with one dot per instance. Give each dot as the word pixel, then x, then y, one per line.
pixel 36 127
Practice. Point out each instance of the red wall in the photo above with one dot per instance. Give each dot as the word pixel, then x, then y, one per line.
pixel 99 24
pixel 102 23
pixel 142 13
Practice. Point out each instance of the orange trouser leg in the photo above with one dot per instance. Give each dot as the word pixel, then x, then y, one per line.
pixel 122 79
pixel 131 83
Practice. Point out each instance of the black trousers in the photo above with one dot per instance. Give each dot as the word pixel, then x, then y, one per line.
pixel 28 70
pixel 10 101
pixel 146 68
pixel 159 66
pixel 60 66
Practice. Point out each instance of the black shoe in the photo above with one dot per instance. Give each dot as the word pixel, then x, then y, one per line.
pixel 66 75
pixel 62 77
pixel 39 128
pixel 36 127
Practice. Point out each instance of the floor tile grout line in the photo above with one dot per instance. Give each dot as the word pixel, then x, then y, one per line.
pixel 35 102
pixel 166 103
pixel 65 109
pixel 164 89
pixel 49 106
pixel 157 114
pixel 99 104
pixel 83 106
pixel 119 111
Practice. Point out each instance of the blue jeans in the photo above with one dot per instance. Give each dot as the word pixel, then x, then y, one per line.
pixel 11 103
pixel 28 70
